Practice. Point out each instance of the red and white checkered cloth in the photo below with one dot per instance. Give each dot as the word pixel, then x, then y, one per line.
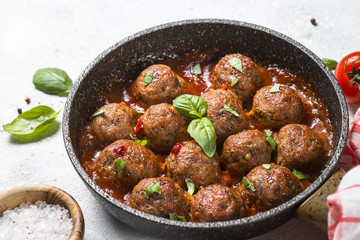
pixel 344 204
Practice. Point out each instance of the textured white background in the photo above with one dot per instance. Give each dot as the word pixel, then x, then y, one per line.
pixel 68 34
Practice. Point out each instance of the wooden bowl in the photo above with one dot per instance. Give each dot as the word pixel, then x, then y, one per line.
pixel 39 192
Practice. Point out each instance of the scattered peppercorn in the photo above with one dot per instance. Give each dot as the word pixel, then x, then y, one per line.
pixel 27 100
pixel 313 22
pixel 19 111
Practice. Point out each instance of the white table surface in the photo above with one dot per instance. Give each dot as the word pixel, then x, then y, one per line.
pixel 68 34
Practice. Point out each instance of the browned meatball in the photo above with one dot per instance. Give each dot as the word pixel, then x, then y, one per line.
pixel 165 86
pixel 116 122
pixel 225 122
pixel 272 186
pixel 215 203
pixel 172 199
pixel 300 147
pixel 164 126
pixel 141 163
pixel 274 110
pixel 244 151
pixel 187 160
pixel 248 81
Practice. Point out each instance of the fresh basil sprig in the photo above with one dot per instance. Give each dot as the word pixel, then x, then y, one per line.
pixel 119 164
pixel 190 186
pixel 174 216
pixel 190 105
pixel 53 81
pixel 203 131
pixel 153 188
pixel 32 122
pixel 248 184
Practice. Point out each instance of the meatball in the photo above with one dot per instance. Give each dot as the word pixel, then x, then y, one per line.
pixel 165 86
pixel 116 121
pixel 172 199
pixel 249 80
pixel 300 147
pixel 244 151
pixel 276 109
pixel 272 186
pixel 163 127
pixel 187 160
pixel 225 122
pixel 141 163
pixel 215 203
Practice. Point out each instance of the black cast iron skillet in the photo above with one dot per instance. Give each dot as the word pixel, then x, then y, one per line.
pixel 140 50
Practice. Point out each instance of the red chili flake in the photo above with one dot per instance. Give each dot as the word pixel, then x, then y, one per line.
pixel 225 87
pixel 139 126
pixel 176 149
pixel 120 151
pixel 27 100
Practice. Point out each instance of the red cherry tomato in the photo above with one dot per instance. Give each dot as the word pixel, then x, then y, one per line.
pixel 347 73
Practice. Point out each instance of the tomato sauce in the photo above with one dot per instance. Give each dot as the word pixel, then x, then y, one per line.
pixel 317 115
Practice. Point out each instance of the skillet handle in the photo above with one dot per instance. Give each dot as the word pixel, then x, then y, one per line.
pixel 315 209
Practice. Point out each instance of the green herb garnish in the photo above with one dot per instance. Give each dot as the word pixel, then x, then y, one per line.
pixel 53 81
pixel 203 131
pixel 190 105
pixel 331 64
pixel 266 166
pixel 300 175
pixel 275 88
pixel 269 138
pixel 234 80
pixel 119 164
pixel 148 78
pixel 197 69
pixel 141 142
pixel 236 63
pixel 153 188
pixel 174 216
pixel 231 110
pixel 248 184
pixel 99 112
pixel 190 186
pixel 32 122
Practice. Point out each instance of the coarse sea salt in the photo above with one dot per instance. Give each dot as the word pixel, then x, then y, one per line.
pixel 37 220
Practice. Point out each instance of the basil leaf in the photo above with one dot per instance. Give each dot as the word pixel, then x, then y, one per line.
pixel 190 105
pixel 248 184
pixel 266 166
pixel 197 69
pixel 139 111
pixel 174 216
pixel 234 80
pixel 148 78
pixel 190 186
pixel 119 164
pixel 269 138
pixel 141 142
pixel 235 62
pixel 230 109
pixel 153 188
pixel 53 81
pixel 99 112
pixel 275 88
pixel 300 175
pixel 203 131
pixel 32 122
pixel 331 64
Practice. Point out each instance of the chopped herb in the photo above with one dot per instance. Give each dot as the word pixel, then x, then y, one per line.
pixel 236 63
pixel 190 186
pixel 174 216
pixel 99 112
pixel 300 175
pixel 141 142
pixel 234 80
pixel 275 88
pixel 266 166
pixel 248 184
pixel 139 111
pixel 331 64
pixel 197 69
pixel 148 78
pixel 119 164
pixel 229 109
pixel 269 138
pixel 153 188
